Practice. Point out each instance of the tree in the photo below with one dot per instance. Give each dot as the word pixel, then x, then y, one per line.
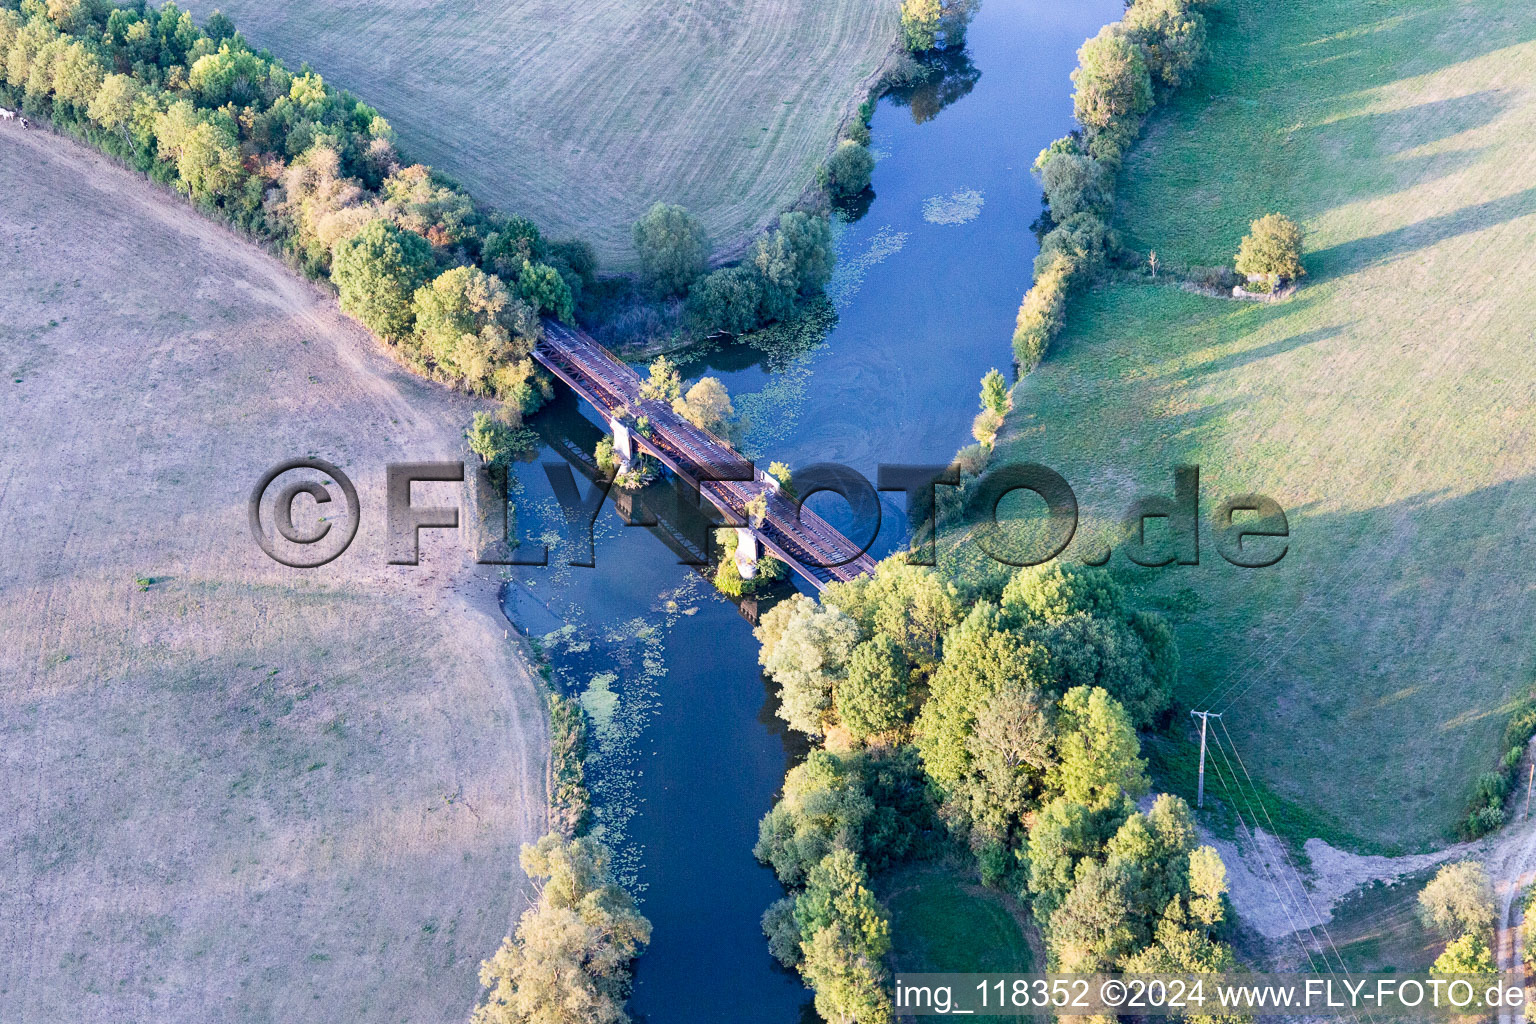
pixel 376 273
pixel 793 262
pixel 463 324
pixel 1271 250
pixel 911 604
pixel 848 170
pixel 849 983
pixel 920 24
pixel 204 147
pixel 727 300
pixel 824 806
pixel 1207 887
pixel 1077 183
pixel 1081 243
pixel 994 393
pixel 1010 752
pixel 707 405
pixel 1171 34
pixel 672 246
pixel 845 934
pixel 420 201
pixel 542 287
pixel 808 658
pixel 113 104
pixel 1113 88
pixel 874 697
pixel 665 383
pixel 1099 757
pixel 981 657
pixel 1458 899
pixel 1056 591
pixel 570 961
pixel 1467 955
pixel 1089 931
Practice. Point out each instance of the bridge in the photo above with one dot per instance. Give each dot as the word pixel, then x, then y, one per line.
pixel 796 536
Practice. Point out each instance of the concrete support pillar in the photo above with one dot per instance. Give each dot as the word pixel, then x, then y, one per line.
pixel 748 551
pixel 623 444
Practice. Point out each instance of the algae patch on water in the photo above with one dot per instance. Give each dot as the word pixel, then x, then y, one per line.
pixel 959 207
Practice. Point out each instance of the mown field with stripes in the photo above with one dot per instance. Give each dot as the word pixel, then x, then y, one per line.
pixel 580 116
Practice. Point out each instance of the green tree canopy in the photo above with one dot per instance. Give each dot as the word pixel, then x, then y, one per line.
pixel 1077 183
pixel 570 960
pixel 1458 899
pixel 848 170
pixel 808 658
pixel 672 246
pixel 1171 34
pixel 708 405
pixel 1099 760
pixel 465 323
pixel 874 697
pixel 1271 249
pixel 376 272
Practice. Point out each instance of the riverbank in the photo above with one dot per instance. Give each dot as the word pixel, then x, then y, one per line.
pixel 234 790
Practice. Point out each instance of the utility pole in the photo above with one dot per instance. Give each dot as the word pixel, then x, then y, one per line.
pixel 1205 719
pixel 1530 780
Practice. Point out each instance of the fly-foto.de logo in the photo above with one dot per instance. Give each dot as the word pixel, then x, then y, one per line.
pixel 1250 530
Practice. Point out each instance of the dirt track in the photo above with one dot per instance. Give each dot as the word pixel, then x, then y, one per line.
pixel 233 791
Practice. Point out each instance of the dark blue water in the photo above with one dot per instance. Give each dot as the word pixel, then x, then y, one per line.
pixel 689 755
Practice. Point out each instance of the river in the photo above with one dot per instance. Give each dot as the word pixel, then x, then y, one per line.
pixel 688 755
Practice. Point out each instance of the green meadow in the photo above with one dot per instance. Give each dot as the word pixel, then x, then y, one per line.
pixel 1387 406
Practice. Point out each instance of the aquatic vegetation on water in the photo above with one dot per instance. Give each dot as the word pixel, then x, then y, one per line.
pixel 851 269
pixel 959 207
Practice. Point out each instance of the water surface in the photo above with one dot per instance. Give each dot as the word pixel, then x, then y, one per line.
pixel 689 754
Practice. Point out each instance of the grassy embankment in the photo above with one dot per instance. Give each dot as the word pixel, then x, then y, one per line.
pixel 580 117
pixel 1386 406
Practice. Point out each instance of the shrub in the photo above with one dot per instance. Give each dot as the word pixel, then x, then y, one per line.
pixel 498 443
pixel 1076 183
pixel 985 426
pixel 1082 242
pixel 1272 249
pixel 848 170
pixel 1042 312
pixel 376 272
pixel 672 246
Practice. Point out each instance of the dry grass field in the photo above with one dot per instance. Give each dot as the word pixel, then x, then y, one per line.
pixel 1390 406
pixel 582 115
pixel 229 791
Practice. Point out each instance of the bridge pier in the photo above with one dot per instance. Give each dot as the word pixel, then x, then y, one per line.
pixel 748 550
pixel 623 444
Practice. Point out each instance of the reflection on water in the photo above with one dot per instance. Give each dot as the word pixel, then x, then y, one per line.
pixel 940 78
pixel 688 751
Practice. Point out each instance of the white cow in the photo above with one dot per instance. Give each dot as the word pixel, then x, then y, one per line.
pixel 7 115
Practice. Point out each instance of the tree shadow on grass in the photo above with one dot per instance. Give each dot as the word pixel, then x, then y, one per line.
pixel 1374 250
pixel 1242 358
